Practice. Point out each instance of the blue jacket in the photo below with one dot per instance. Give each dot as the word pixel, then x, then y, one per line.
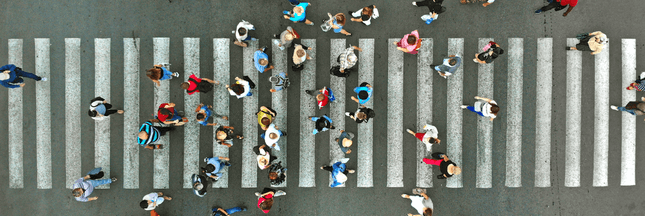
pixel 338 167
pixel 12 76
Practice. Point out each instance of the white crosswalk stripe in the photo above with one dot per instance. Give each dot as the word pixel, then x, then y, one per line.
pixel 516 88
pixel 43 114
pixel 15 121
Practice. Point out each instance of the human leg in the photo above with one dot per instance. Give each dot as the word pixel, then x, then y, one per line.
pixel 166 74
pixel 419 136
pixel 163 130
pixel 435 162
pixel 109 112
pixel 550 6
pixel 279 193
pixel 234 210
pixel 96 183
pixel 27 74
pixel 627 110
pixel 327 168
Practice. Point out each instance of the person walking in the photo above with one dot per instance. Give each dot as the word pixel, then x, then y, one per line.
pixel 491 51
pixel 264 157
pixel 337 22
pixel 84 186
pixel 638 85
pixel 279 82
pixel 486 2
pixel 324 97
pixel 345 141
pixel 241 88
pixel 338 171
pixel 224 136
pixel 195 84
pixel 448 67
pixel 559 5
pixel 298 13
pixel 214 166
pixel 265 199
pixel 200 185
pixel 11 76
pixel 204 113
pixel 159 73
pixel 593 42
pixel 168 115
pixel 633 107
pixel 300 55
pixel 272 135
pixel 484 107
pixel 421 202
pixel 365 15
pixel 265 117
pixel 410 43
pixel 152 200
pixel 322 123
pixel 447 167
pixel 261 60
pixel 149 134
pixel 362 114
pixel 226 212
pixel 242 33
pixel 429 137
pixel 346 60
pixel 286 37
pixel 100 109
pixel 277 174
pixel 364 93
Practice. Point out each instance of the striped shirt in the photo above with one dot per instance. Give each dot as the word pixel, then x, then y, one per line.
pixel 153 134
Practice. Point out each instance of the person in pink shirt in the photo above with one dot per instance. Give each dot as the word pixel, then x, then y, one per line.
pixel 559 5
pixel 410 43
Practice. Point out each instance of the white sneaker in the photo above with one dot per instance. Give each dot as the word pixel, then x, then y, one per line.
pixel 43 79
pixel 463 106
pixel 613 107
pixel 258 194
pixel 346 113
pixel 414 3
pixel 176 74
pixel 206 159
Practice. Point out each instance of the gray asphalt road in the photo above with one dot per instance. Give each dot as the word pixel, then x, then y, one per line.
pixel 145 19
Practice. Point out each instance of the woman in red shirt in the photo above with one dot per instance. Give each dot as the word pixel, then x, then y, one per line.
pixel 167 114
pixel 265 199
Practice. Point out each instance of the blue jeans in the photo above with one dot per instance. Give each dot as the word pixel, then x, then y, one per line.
pixel 96 183
pixel 166 74
pixel 20 73
pixel 627 110
pixel 472 108
pixel 230 211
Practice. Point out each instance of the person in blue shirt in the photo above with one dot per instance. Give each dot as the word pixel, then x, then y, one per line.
pixel 298 14
pixel 261 61
pixel 338 171
pixel 204 112
pixel 11 76
pixel 280 81
pixel 227 212
pixel 149 134
pixel 364 92
pixel 214 165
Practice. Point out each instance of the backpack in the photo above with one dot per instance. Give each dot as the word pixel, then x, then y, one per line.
pixel 203 87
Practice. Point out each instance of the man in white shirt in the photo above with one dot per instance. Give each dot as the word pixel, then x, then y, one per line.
pixel 428 138
pixel 272 135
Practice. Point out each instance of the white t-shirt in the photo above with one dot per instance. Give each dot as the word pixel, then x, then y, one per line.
pixel 247 89
pixel 484 107
pixel 418 203
pixel 263 154
pixel 244 24
pixel 431 131
pixel 267 138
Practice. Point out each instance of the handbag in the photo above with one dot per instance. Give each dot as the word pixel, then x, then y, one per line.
pixel 251 83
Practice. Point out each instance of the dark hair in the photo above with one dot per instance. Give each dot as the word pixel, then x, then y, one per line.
pixel 143 204
pixel 412 40
pixel 265 121
pixel 433 140
pixel 77 192
pixel 494 109
pixel 340 18
pixel 185 85
pixel 92 113
pixel 452 62
pixel 167 112
pixel 241 31
pixel 363 95
pixel 154 73
pixel 267 204
pixel 368 11
pixel 210 168
pixel 273 175
pixel 237 88
pixel 427 212
pixel 200 116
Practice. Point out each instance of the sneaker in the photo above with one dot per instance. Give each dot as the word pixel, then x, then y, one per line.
pixel 414 3
pixel 613 107
pixel 346 113
pixel 43 79
pixel 312 23
pixel 538 11
pixel 350 12
pixel 475 60
pixel 568 48
pixel 258 194
pixel 244 209
pixel 175 74
pixel 463 106
pixel 217 178
pixel 227 163
pixel 284 133
pixel 206 160
pixel 351 171
pixel 113 179
pixel 409 131
pixel 308 91
pixel 254 39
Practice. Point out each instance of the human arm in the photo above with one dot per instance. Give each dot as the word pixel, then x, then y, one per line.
pixel 8 67
pixel 483 98
pixel 402 49
pixel 268 68
pixel 199 107
pixel 211 124
pixel 211 81
pixel 568 10
pixel 8 85
pixel 355 100
pixel 358 48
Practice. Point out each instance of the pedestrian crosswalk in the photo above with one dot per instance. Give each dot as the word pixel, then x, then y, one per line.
pixel 365 144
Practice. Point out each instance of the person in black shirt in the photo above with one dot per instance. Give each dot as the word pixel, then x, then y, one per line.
pixel 362 114
pixel 200 184
pixel 277 173
pixel 433 5
pixel 447 167
pixel 489 55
